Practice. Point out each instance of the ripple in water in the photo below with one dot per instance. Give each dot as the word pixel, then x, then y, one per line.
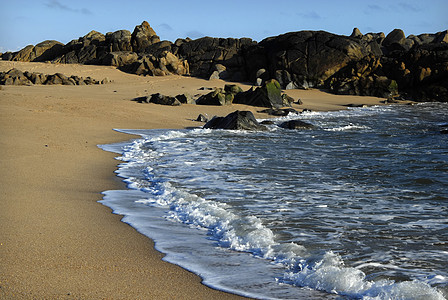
pixel 356 208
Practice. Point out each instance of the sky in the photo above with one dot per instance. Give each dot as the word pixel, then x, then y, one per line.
pixel 25 22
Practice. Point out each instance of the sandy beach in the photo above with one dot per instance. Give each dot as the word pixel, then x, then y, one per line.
pixel 56 240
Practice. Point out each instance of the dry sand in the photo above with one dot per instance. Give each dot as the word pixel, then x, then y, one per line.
pixel 56 240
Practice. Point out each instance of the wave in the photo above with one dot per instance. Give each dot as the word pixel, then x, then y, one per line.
pixel 324 271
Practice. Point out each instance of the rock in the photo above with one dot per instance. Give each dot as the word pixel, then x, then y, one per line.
pixel 142 37
pixel 185 99
pixel 119 41
pixel 205 53
pixel 14 77
pixel 219 72
pixel 267 122
pixel 238 120
pixel 119 59
pixel 163 100
pixel 304 56
pixel 356 33
pixel 292 86
pixel 296 124
pixel 269 95
pixel 232 89
pixel 215 75
pixel 93 37
pixel 279 112
pixel 287 100
pixel 217 97
pixel 396 36
pixel 202 118
pixel 46 50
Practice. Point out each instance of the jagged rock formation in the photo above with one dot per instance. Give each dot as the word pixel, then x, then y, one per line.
pixel 414 67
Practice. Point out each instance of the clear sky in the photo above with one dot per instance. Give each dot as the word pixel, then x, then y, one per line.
pixel 25 22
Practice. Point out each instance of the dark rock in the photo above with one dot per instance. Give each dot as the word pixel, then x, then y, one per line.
pixel 217 97
pixel 119 59
pixel 14 77
pixel 296 124
pixel 143 37
pixel 356 33
pixel 279 112
pixel 305 56
pixel 43 51
pixel 201 118
pixel 119 41
pixel 205 53
pixel 269 95
pixel 185 99
pixel 396 36
pixel 163 100
pixel 238 120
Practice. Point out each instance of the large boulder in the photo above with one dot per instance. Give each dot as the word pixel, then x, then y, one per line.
pixel 43 51
pixel 306 58
pixel 269 95
pixel 143 36
pixel 238 120
pixel 205 53
pixel 119 41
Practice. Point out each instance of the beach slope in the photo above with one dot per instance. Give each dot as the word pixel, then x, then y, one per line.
pixel 56 240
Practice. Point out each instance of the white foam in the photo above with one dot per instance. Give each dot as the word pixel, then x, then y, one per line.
pixel 231 229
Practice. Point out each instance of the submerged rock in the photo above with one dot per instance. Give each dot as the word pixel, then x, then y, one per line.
pixel 296 124
pixel 238 120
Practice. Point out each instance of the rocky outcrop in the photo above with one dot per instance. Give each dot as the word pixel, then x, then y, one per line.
pixel 17 77
pixel 413 67
pixel 238 120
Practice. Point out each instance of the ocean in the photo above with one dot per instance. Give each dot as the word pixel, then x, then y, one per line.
pixel 356 208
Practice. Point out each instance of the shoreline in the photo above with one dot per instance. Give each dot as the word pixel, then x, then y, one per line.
pixel 57 241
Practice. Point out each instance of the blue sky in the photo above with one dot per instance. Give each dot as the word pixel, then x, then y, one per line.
pixel 25 22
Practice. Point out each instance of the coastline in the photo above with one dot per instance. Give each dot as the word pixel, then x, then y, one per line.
pixel 56 240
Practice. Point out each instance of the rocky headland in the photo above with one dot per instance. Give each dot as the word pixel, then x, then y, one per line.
pixel 372 64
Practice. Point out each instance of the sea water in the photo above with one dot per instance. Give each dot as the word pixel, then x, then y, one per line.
pixel 356 208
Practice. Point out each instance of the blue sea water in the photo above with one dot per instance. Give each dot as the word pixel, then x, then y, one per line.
pixel 356 208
